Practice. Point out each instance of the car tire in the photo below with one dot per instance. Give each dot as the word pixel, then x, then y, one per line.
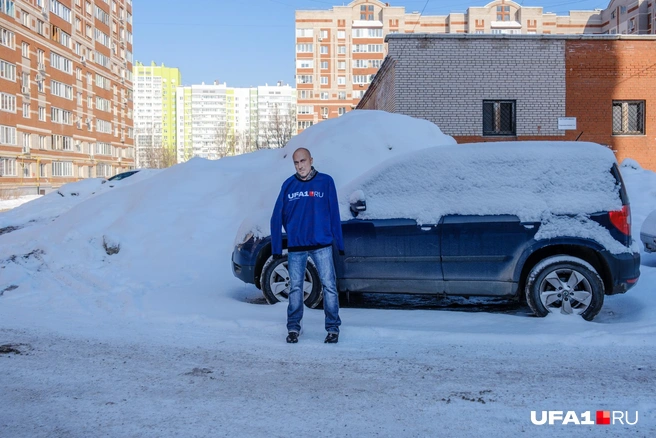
pixel 565 284
pixel 275 282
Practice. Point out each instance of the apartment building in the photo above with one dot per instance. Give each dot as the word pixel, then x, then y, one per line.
pixel 214 120
pixel 202 121
pixel 338 51
pixel 629 17
pixel 241 116
pixel 154 111
pixel 65 91
pixel 276 115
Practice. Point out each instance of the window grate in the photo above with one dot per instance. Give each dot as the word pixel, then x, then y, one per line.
pixel 628 117
pixel 499 117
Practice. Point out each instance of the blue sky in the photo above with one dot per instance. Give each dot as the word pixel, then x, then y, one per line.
pixel 251 42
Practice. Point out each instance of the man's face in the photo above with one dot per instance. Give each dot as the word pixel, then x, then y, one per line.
pixel 302 163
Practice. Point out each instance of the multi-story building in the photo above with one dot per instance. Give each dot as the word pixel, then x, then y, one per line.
pixel 154 111
pixel 276 115
pixel 338 51
pixel 65 91
pixel 216 120
pixel 202 121
pixel 627 17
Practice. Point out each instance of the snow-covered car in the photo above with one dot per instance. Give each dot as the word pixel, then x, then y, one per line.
pixel 545 221
pixel 648 232
pixel 122 175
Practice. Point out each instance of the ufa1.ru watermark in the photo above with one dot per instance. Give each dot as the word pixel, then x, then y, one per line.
pixel 541 418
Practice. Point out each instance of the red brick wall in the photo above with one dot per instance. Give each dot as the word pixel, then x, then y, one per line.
pixel 599 72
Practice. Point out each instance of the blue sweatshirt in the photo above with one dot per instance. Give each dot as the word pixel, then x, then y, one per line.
pixel 310 214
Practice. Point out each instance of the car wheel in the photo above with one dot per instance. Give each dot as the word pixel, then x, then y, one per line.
pixel 276 282
pixel 565 285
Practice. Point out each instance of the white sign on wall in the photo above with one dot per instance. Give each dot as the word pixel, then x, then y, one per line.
pixel 566 123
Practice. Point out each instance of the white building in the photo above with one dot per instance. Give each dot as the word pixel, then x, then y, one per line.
pixel 276 113
pixel 216 120
pixel 202 121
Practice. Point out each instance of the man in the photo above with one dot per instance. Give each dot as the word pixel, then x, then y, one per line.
pixel 307 207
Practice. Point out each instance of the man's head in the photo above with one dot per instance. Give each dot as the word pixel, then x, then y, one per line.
pixel 302 162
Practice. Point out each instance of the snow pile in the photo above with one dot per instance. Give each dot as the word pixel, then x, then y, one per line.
pixel 641 185
pixel 8 204
pixel 649 225
pixel 66 197
pixel 527 179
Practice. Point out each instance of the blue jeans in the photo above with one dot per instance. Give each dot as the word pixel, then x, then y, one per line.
pixel 323 260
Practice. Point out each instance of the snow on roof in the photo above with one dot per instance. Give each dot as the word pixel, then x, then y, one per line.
pixel 527 179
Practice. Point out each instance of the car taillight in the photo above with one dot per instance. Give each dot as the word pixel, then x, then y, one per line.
pixel 621 219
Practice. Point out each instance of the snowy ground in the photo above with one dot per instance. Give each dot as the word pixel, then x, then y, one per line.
pixel 160 340
pixel 8 204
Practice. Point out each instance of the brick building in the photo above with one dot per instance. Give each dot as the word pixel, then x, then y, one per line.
pixel 476 88
pixel 65 91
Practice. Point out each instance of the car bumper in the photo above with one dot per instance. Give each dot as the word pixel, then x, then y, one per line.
pixel 649 241
pixel 242 267
pixel 626 267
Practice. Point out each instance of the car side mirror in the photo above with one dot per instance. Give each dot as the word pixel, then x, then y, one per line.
pixel 357 202
pixel 358 206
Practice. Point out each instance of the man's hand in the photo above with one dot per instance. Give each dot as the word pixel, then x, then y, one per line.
pixel 276 256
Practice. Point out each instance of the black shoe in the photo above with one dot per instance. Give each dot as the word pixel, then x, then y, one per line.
pixel 292 338
pixel 331 338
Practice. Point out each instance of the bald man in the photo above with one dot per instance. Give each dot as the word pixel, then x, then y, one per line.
pixel 308 210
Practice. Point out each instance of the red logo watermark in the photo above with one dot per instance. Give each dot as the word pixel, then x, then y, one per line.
pixel 541 418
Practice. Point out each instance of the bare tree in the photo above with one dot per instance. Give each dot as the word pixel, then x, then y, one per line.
pixel 244 141
pixel 158 157
pixel 221 137
pixel 280 128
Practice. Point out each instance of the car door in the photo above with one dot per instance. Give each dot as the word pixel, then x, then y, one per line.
pixel 391 255
pixel 479 253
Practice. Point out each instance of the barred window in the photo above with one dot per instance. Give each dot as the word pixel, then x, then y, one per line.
pixel 629 117
pixel 499 117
